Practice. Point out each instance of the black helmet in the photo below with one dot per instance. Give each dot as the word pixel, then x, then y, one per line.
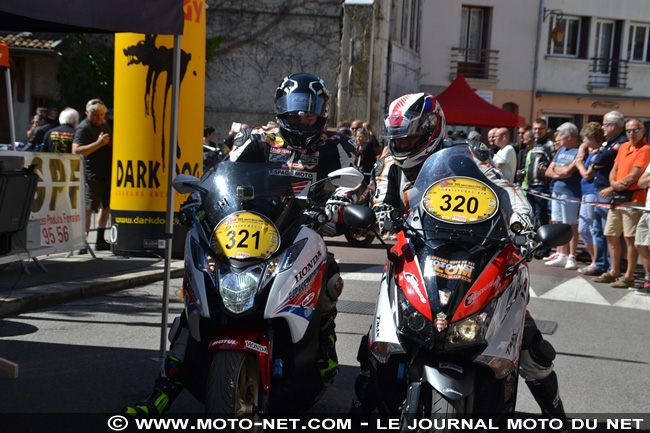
pixel 302 94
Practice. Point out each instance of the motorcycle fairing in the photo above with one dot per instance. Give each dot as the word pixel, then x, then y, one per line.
pixel 506 330
pixel 251 340
pixel 409 277
pixel 196 267
pixel 383 329
pixel 295 292
pixel 488 285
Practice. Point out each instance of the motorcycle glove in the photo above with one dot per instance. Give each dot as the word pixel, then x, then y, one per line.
pixel 335 206
pixel 522 221
pixel 383 217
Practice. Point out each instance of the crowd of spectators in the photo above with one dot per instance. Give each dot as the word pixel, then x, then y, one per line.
pixel 596 180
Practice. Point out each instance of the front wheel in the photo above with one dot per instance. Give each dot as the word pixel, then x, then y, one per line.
pixel 426 410
pixel 234 384
pixel 358 238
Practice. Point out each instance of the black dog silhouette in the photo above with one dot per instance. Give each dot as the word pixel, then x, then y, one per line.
pixel 157 60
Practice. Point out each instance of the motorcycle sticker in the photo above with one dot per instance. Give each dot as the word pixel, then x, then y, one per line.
pixel 441 321
pixel 275 140
pixel 413 284
pixel 243 235
pixel 450 269
pixel 460 200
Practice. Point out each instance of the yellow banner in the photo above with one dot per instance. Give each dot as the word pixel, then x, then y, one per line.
pixel 143 108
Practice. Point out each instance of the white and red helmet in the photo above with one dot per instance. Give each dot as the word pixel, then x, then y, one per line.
pixel 416 114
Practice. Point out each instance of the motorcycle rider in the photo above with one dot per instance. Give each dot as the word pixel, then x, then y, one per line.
pixel 299 141
pixel 415 127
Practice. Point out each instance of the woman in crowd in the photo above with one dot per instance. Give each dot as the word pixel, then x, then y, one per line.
pixel 566 192
pixel 592 138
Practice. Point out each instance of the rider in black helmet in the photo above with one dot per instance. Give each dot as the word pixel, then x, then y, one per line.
pixel 299 141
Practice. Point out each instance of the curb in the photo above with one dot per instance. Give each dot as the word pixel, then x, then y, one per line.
pixel 47 295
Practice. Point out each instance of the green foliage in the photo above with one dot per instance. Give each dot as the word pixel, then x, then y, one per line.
pixel 86 71
pixel 211 45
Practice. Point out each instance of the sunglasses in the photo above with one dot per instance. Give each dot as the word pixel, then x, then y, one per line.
pixel 632 131
pixel 353 129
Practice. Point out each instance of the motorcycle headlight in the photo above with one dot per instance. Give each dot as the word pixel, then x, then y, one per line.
pixel 471 330
pixel 413 324
pixel 238 289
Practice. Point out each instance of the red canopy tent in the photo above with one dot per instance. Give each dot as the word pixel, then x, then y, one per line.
pixel 462 106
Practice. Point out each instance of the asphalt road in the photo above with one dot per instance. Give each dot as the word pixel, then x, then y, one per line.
pixel 97 354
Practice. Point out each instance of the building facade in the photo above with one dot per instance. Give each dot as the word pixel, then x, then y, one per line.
pixel 562 60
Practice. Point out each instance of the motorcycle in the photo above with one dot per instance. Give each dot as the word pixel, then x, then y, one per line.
pixel 255 276
pixel 447 331
pixel 358 238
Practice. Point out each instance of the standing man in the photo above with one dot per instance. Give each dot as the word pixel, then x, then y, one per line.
pixel 92 139
pixel 506 157
pixel 59 139
pixel 537 161
pixel 630 163
pixel 602 162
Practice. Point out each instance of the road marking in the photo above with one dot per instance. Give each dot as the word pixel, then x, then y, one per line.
pixel 632 300
pixel 361 276
pixel 576 290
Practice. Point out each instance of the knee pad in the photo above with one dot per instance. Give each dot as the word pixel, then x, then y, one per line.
pixel 334 286
pixel 542 353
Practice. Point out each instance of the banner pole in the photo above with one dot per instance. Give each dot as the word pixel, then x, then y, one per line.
pixel 171 167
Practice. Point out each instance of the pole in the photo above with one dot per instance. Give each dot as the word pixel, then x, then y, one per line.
pixel 10 106
pixel 169 223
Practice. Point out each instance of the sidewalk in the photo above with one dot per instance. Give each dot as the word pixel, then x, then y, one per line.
pixel 74 277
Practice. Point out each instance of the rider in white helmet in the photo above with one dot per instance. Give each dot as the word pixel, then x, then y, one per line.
pixel 415 128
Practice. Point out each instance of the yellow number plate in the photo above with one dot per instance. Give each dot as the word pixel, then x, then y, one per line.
pixel 245 235
pixel 460 200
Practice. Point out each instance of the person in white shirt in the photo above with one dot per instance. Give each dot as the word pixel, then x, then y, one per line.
pixel 506 157
pixel 642 237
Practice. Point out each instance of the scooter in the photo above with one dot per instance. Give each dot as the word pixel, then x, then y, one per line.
pixel 447 331
pixel 256 276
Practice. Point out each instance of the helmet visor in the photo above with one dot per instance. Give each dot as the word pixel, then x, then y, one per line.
pixel 301 103
pixel 399 128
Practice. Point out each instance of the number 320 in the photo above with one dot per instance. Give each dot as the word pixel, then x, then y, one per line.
pixel 462 205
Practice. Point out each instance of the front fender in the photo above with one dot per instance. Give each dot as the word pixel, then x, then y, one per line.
pixel 250 340
pixel 453 381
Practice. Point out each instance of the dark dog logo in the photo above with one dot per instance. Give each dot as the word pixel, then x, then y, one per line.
pixel 157 60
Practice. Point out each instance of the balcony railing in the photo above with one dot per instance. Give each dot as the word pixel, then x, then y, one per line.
pixel 608 73
pixel 474 63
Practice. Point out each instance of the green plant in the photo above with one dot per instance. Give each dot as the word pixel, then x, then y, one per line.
pixel 86 71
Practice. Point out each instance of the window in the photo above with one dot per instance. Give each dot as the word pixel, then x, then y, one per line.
pixel 564 36
pixel 410 28
pixel 637 50
pixel 472 32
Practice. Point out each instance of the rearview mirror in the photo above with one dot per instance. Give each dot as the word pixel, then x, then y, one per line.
pixel 554 235
pixel 184 183
pixel 348 177
pixel 360 217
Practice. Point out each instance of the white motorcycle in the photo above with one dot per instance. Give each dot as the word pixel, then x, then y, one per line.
pixel 254 286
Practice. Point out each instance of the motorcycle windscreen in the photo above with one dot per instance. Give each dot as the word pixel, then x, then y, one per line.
pixel 248 206
pixel 453 194
pixel 459 212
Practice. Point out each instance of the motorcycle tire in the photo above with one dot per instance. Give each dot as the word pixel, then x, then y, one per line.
pixel 234 384
pixel 432 408
pixel 358 238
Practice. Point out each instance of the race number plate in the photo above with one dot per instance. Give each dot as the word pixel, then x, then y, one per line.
pixel 245 235
pixel 460 200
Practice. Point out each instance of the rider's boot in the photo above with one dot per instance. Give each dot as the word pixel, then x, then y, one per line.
pixel 327 360
pixel 547 395
pixel 167 387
